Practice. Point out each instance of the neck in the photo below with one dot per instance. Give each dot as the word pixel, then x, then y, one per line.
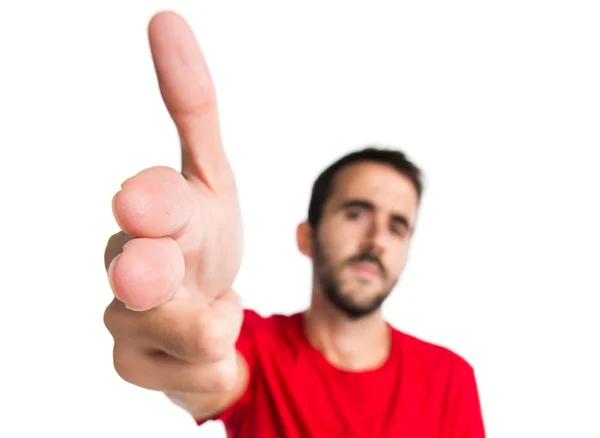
pixel 353 345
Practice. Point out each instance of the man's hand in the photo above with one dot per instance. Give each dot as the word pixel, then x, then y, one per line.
pixel 175 318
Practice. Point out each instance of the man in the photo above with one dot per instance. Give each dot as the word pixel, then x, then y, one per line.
pixel 337 369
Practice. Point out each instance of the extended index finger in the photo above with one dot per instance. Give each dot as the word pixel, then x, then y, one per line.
pixel 189 95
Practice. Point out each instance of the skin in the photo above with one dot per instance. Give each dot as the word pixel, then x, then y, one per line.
pixel 175 317
pixel 359 251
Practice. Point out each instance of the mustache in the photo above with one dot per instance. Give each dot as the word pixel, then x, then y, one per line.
pixel 368 257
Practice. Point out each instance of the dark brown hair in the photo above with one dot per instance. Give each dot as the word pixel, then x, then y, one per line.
pixel 323 185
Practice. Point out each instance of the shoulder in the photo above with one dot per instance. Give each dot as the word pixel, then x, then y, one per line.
pixel 444 379
pixel 433 358
pixel 445 375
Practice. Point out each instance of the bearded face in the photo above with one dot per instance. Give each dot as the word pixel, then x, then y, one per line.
pixel 360 247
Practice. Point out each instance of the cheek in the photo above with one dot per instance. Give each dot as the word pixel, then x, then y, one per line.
pixel 398 260
pixel 336 251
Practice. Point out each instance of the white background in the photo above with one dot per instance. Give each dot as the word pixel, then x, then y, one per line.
pixel 499 102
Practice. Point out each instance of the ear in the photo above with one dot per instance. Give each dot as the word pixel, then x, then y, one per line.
pixel 304 238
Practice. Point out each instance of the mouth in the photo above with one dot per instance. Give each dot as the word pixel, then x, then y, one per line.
pixel 367 268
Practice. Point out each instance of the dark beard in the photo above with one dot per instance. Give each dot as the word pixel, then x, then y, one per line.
pixel 331 287
pixel 346 305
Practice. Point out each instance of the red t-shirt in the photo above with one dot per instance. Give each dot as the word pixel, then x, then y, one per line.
pixel 422 390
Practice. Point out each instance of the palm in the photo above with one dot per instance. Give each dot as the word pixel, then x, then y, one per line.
pixel 212 248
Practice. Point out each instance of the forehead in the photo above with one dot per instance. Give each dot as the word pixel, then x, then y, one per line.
pixel 378 183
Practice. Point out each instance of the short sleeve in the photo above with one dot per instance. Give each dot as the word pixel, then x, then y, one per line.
pixel 464 414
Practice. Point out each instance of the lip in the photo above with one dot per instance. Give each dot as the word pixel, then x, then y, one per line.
pixel 367 268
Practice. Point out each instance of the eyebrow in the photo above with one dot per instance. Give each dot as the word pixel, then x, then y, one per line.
pixel 368 205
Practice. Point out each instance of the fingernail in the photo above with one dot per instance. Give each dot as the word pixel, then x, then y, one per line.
pixel 114 210
pixel 114 204
pixel 110 270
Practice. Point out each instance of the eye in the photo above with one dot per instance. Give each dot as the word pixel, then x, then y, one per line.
pixel 354 214
pixel 399 230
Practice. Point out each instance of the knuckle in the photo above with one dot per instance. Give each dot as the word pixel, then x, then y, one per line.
pixel 222 377
pixel 115 319
pixel 210 341
pixel 109 318
pixel 123 365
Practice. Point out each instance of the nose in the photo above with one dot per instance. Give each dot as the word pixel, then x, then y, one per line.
pixel 378 235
